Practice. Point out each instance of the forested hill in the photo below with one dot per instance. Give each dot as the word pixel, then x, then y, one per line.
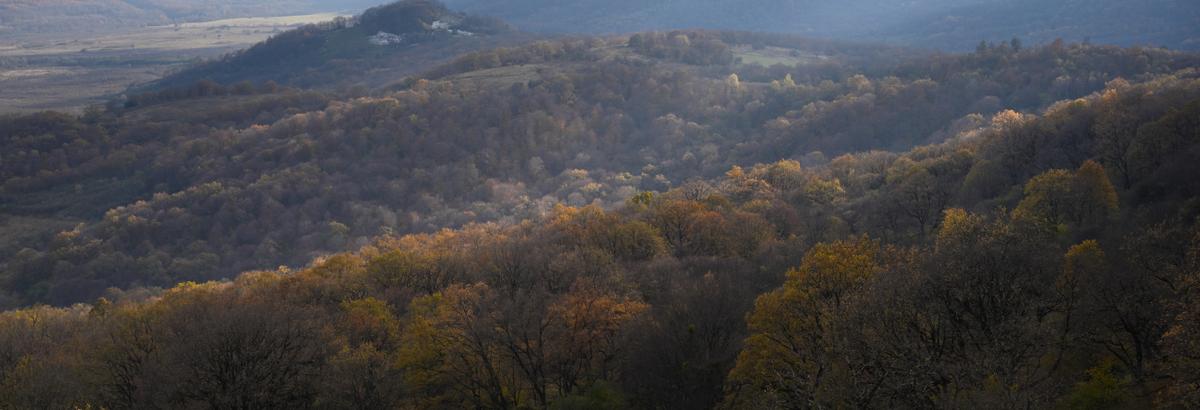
pixel 941 24
pixel 663 224
pixel 687 219
pixel 382 45
pixel 210 180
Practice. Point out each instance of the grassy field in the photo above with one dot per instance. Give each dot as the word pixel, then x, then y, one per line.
pixel 68 88
pixel 69 73
pixel 494 78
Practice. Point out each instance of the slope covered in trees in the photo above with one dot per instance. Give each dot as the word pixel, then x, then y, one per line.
pixel 686 219
pixel 380 46
pixel 1026 260
pixel 214 180
pixel 204 182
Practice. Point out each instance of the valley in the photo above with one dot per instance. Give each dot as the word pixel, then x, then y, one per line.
pixel 65 72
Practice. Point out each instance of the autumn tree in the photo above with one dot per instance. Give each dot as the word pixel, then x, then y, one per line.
pixel 988 287
pixel 1181 342
pixel 225 350
pixel 449 355
pixel 413 269
pixel 1116 131
pixel 792 354
pixel 679 356
pixel 1083 199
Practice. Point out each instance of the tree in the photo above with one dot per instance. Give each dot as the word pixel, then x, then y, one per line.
pixel 591 323
pixel 673 220
pixel 986 295
pixel 1116 130
pixel 1181 341
pixel 361 377
pixel 42 358
pixel 128 345
pixel 1083 200
pixel 449 354
pixel 679 357
pixel 412 269
pixel 792 354
pixel 230 351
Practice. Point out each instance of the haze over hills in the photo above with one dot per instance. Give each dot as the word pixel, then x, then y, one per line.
pixel 943 24
pixel 1158 23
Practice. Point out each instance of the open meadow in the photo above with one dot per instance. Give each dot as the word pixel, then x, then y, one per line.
pixel 65 72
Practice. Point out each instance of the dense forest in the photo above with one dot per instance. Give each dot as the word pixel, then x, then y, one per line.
pixel 686 219
pixel 204 182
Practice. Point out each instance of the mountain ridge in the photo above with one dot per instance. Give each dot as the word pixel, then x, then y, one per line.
pixel 936 24
pixel 417 35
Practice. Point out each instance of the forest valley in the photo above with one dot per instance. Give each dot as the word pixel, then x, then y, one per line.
pixel 659 221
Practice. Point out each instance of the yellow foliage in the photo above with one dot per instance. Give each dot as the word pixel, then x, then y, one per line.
pixel 789 327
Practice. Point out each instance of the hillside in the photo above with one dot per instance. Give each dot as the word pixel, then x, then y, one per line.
pixel 942 24
pixel 420 208
pixel 212 180
pixel 382 45
pixel 648 221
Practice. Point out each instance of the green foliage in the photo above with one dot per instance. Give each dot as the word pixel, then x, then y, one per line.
pixel 1102 390
pixel 789 350
pixel 600 396
pixel 1084 199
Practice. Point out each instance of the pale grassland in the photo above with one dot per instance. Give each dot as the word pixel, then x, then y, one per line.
pixel 33 72
pixel 69 72
pixel 239 32
pixel 266 21
pixel 68 88
pixel 499 77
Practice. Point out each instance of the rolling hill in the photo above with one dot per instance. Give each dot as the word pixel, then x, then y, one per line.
pixel 217 179
pixel 679 219
pixel 382 45
pixel 649 221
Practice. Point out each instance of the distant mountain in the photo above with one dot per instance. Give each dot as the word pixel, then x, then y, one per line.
pixel 1170 23
pixel 40 16
pixel 382 45
pixel 944 24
